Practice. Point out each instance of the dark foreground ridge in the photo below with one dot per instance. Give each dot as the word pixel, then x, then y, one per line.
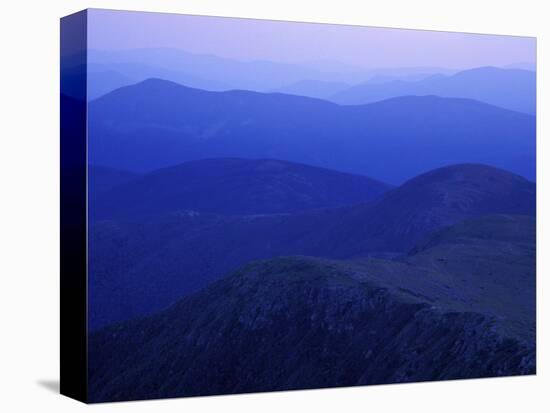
pixel 299 323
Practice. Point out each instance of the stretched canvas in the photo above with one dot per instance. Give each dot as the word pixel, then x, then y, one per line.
pixel 253 205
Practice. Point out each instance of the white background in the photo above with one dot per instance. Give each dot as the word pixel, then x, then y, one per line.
pixel 29 206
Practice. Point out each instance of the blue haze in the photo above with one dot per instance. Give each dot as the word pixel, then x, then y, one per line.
pixel 324 206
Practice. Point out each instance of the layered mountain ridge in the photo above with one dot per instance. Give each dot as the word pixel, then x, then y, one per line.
pixel 243 241
pixel 143 263
pixel 513 89
pixel 167 124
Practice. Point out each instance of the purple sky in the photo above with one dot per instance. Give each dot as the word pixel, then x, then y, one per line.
pixel 288 42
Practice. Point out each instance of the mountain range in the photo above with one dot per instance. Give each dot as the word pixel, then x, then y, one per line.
pixel 327 226
pixel 511 86
pixel 327 90
pixel 157 124
pixel 513 89
pixel 235 74
pixel 258 75
pixel 144 260
pixel 302 322
pixel 292 216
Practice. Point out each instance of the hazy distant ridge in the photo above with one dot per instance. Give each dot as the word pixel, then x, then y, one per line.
pixel 157 123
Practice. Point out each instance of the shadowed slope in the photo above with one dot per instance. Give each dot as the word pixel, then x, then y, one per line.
pixel 102 179
pixel 298 323
pixel 435 199
pixel 143 265
pixel 237 186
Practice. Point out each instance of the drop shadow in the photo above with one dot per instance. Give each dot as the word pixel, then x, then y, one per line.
pixel 51 385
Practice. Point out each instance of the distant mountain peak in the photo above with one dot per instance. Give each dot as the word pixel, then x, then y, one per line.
pixel 158 82
pixel 467 172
